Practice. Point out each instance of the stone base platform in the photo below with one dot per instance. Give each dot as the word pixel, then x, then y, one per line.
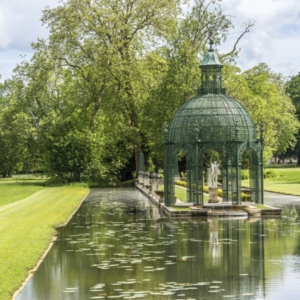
pixel 224 210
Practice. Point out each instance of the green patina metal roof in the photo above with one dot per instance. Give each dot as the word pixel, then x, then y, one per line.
pixel 211 59
pixel 217 117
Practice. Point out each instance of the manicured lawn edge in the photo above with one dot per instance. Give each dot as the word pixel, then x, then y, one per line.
pixel 72 214
pixel 51 243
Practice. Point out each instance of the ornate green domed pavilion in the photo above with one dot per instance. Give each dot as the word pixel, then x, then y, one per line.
pixel 213 120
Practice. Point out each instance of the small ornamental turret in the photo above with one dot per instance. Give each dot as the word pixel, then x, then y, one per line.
pixel 211 42
pixel 165 131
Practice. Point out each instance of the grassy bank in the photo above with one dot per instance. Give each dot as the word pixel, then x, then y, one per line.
pixel 26 227
pixel 180 193
pixel 288 182
pixel 12 190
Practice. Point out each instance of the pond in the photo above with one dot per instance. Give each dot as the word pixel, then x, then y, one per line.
pixel 119 245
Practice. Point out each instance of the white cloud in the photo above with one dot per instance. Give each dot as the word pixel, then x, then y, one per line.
pixel 19 26
pixel 4 37
pixel 275 39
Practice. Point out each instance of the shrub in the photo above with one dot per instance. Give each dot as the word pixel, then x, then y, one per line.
pixel 220 193
pixel 245 174
pixel 245 197
pixel 182 183
pixel 271 173
pixel 183 175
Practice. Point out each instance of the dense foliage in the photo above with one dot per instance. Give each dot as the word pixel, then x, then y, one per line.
pixel 99 89
pixel 293 89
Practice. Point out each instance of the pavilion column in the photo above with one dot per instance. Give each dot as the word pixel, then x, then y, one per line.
pixel 189 180
pixel 257 183
pixel 225 180
pixel 239 182
pixel 262 174
pixel 262 160
pixel 200 183
pixel 236 177
pixel 229 181
pixel 196 182
pixel 236 184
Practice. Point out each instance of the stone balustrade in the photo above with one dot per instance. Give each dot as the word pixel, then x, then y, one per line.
pixel 146 178
pixel 141 177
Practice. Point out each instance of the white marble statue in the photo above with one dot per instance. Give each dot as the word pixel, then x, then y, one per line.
pixel 209 184
pixel 215 173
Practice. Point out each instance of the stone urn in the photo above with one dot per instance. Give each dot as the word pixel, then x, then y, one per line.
pixel 161 195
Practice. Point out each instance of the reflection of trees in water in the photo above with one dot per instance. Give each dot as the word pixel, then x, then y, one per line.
pixel 290 211
pixel 220 250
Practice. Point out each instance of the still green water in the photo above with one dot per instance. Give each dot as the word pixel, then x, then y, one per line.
pixel 118 245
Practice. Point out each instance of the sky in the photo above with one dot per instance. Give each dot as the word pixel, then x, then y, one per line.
pixel 274 40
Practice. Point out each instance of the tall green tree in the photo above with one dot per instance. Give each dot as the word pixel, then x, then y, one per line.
pixel 262 93
pixel 16 132
pixel 57 103
pixel 103 42
pixel 293 89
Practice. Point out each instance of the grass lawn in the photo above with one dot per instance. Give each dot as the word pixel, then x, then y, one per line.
pixel 258 206
pixel 26 227
pixel 180 208
pixel 181 194
pixel 288 182
pixel 12 190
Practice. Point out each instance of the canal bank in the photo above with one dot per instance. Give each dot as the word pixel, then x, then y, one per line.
pixel 51 243
pixel 26 228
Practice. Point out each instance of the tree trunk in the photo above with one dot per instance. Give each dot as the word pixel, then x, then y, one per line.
pixel 10 174
pixel 76 176
pixel 298 158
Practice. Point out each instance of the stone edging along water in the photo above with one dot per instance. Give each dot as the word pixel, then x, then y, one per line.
pixel 51 243
pixel 213 210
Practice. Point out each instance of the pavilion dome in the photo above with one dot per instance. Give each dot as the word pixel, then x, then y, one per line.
pixel 217 117
pixel 212 115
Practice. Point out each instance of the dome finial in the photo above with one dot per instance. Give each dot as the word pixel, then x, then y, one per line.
pixel 210 40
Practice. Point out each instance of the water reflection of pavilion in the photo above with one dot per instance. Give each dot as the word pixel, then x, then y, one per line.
pixel 230 251
pixel 214 245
